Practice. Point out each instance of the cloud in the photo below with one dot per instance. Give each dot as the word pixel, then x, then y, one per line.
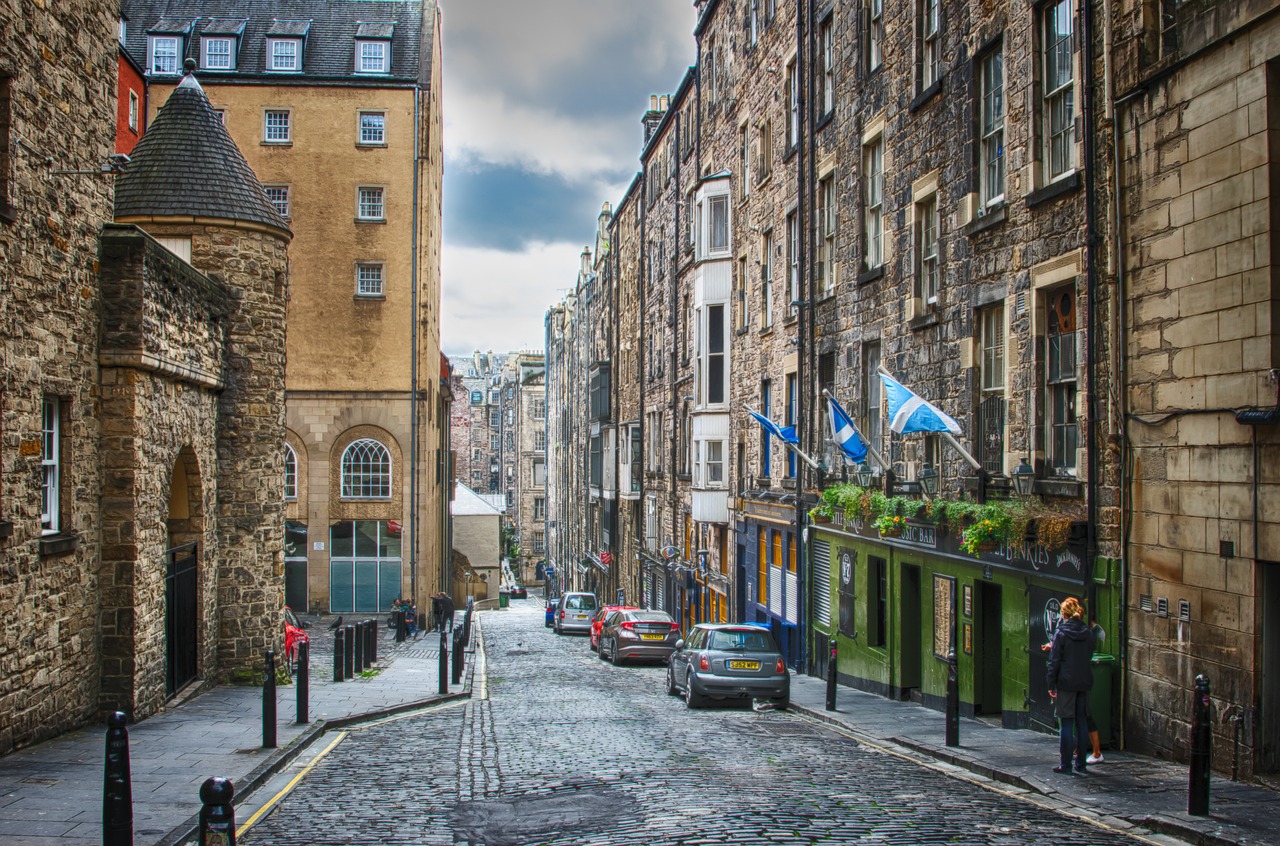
pixel 506 207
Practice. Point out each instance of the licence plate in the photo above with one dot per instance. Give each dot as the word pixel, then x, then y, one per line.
pixel 581 616
pixel 652 637
pixel 742 665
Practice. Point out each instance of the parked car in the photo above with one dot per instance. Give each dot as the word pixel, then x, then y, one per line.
pixel 597 620
pixel 638 633
pixel 728 661
pixel 294 634
pixel 553 605
pixel 575 612
pixel 519 592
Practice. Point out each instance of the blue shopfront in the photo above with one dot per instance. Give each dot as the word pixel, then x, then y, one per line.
pixel 771 571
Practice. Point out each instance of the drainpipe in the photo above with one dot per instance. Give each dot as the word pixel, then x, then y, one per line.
pixel 413 355
pixel 804 327
pixel 1091 290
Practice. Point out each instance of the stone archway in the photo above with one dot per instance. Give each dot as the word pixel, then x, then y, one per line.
pixel 185 524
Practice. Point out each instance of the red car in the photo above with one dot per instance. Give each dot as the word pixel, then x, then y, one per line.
pixel 294 634
pixel 598 620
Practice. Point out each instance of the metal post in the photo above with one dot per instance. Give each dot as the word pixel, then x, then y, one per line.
pixel 269 700
pixel 402 627
pixel 117 785
pixel 953 699
pixel 457 658
pixel 217 814
pixel 831 676
pixel 349 652
pixel 357 648
pixel 1201 749
pixel 339 666
pixel 444 664
pixel 370 642
pixel 304 681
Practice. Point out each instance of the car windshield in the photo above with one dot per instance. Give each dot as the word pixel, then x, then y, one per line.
pixel 651 616
pixel 580 603
pixel 743 641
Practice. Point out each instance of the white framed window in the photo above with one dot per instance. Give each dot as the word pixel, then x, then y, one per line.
pixel 875 34
pixel 764 163
pixel 279 197
pixel 766 280
pixel 369 279
pixel 793 262
pixel 930 42
pixel 1060 371
pixel 370 203
pixel 539 507
pixel 826 269
pixel 539 473
pixel 366 470
pixel 712 475
pixel 539 541
pixel 122 31
pixel 540 441
pixel 373 57
pixel 713 354
pixel 51 466
pixel 753 23
pixel 991 127
pixel 712 224
pixel 744 158
pixel 793 105
pixel 290 473
pixel 277 126
pixel 1059 90
pixel 991 338
pixel 826 36
pixel 373 127
pixel 133 110
pixel 873 203
pixel 217 53
pixel 165 50
pixel 284 54
pixel 927 272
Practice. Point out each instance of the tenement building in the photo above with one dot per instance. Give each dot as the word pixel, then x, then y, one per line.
pixel 143 485
pixel 336 106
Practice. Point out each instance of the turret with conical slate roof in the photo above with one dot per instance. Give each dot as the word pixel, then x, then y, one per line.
pixel 187 167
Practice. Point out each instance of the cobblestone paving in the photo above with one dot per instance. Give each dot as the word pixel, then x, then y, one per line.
pixel 568 749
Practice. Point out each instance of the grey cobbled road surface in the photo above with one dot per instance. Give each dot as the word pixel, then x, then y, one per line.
pixel 559 747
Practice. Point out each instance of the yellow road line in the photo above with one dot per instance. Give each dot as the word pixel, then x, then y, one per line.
pixel 955 771
pixel 271 803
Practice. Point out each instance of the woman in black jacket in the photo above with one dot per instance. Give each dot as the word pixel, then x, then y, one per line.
pixel 1070 678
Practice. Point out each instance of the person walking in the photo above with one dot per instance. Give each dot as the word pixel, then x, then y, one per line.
pixel 446 610
pixel 1069 679
pixel 437 619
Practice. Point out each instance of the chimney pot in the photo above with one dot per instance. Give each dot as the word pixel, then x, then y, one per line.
pixel 653 102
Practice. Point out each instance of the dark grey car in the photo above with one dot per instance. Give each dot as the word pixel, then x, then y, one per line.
pixel 638 633
pixel 728 661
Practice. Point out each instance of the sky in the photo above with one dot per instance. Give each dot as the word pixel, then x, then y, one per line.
pixel 542 106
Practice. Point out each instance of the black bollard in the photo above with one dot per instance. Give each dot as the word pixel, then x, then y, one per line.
pixel 339 665
pixel 349 652
pixel 304 682
pixel 402 627
pixel 357 648
pixel 370 643
pixel 831 677
pixel 953 699
pixel 217 814
pixel 269 700
pixel 1201 749
pixel 457 658
pixel 444 664
pixel 117 785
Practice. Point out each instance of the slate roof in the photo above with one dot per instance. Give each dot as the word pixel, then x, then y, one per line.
pixel 187 164
pixel 328 28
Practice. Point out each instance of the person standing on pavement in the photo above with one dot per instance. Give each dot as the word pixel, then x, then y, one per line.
pixel 1069 679
pixel 437 619
pixel 446 609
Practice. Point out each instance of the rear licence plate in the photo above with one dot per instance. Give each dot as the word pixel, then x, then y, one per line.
pixel 652 637
pixel 743 665
pixel 581 616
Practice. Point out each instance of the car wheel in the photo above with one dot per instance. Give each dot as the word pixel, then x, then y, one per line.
pixel 692 699
pixel 613 655
pixel 600 653
pixel 782 704
pixel 672 690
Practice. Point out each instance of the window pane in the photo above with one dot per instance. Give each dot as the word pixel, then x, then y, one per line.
pixel 341 539
pixel 719 223
pixel 388 584
pixel 295 539
pixel 366 538
pixel 341 586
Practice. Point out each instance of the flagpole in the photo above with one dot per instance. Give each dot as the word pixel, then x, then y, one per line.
pixel 790 446
pixel 865 440
pixel 946 435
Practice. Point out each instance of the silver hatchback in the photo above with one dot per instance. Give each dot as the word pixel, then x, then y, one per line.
pixel 728 661
pixel 575 613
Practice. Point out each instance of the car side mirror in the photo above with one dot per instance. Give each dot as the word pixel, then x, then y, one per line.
pixel 680 643
pixel 304 624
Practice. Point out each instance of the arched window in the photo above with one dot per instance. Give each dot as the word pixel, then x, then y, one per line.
pixel 290 473
pixel 366 470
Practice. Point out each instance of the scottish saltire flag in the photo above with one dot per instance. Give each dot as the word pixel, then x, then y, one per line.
pixel 911 413
pixel 788 434
pixel 845 436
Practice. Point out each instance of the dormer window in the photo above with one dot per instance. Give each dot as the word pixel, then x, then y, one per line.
pixel 372 56
pixel 217 54
pixel 164 54
pixel 284 54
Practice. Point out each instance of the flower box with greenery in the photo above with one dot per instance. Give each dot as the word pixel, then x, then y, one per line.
pixel 979 527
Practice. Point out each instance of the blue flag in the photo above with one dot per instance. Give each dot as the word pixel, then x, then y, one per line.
pixel 788 434
pixel 845 436
pixel 911 413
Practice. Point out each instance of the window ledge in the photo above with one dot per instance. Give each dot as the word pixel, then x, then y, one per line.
pixel 684 477
pixel 790 319
pixel 868 276
pixel 824 120
pixel 924 321
pixel 764 482
pixel 789 483
pixel 58 544
pixel 370 146
pixel 378 220
pixel 995 216
pixel 742 330
pixel 926 95
pixel 790 153
pixel 365 298
pixel 1065 185
pixel 277 144
pixel 1057 487
pixel 6 529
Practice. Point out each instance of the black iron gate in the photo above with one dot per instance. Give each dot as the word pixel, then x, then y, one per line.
pixel 180 617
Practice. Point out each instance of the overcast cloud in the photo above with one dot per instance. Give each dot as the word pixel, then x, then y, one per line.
pixel 542 108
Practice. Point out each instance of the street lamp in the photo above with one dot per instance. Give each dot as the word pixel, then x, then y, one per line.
pixel 929 481
pixel 865 475
pixel 1024 477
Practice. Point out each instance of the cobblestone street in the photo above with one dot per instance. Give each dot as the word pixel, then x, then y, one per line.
pixel 559 747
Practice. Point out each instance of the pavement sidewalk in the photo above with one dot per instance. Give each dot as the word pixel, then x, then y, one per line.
pixel 1125 790
pixel 51 793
